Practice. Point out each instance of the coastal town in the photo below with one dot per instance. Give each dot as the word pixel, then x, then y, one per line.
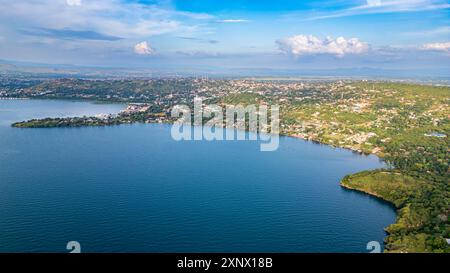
pixel 358 115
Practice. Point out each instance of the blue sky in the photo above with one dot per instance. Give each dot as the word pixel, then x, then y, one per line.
pixel 179 34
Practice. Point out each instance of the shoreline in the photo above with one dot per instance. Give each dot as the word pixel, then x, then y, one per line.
pixel 378 197
pixel 7 98
pixel 369 193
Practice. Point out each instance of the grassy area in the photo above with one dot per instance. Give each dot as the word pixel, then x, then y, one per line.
pixel 243 98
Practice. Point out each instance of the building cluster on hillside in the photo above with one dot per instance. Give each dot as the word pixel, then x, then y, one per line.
pixel 134 108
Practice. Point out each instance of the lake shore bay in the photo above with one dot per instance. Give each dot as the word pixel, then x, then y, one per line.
pixel 406 125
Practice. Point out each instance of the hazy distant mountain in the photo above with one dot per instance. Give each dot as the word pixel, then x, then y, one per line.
pixel 67 70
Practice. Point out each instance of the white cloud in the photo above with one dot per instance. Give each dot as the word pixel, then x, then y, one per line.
pixel 233 21
pixel 111 17
pixel 73 2
pixel 373 2
pixel 386 6
pixel 309 45
pixel 143 48
pixel 437 47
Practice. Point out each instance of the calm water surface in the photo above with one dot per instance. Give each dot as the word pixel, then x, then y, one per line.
pixel 131 188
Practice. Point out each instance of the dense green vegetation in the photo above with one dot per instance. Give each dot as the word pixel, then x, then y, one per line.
pixel 113 90
pixel 88 121
pixel 422 221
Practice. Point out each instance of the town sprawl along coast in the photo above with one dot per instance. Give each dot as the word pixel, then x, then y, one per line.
pixel 405 124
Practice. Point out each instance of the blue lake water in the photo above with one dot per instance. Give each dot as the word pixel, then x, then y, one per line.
pixel 131 188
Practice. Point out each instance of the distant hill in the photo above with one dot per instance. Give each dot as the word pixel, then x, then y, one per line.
pixel 68 70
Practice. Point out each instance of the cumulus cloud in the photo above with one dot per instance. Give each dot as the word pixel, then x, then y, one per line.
pixel 437 47
pixel 73 2
pixel 143 48
pixel 309 45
